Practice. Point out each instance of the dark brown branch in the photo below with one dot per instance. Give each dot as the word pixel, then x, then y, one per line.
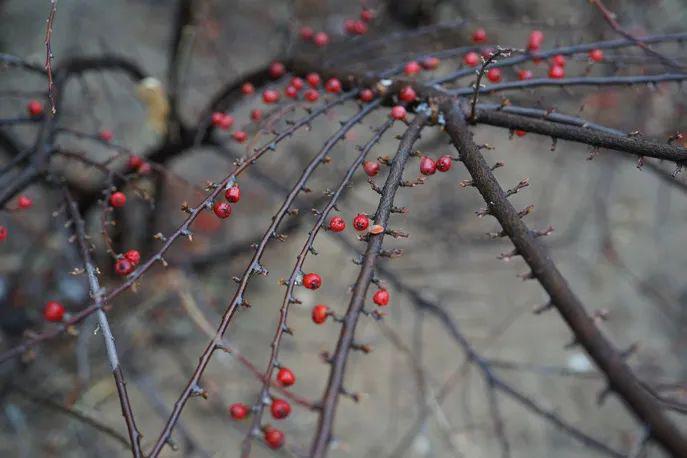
pixel 338 366
pixel 620 377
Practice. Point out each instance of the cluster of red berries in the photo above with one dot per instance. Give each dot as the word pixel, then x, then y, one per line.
pixel 138 165
pixel 320 39
pixel 428 165
pixel 126 263
pixel 359 26
pixel 222 209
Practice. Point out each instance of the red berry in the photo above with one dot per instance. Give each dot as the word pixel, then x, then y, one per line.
pixel 248 88
pixel 3 233
pixel 471 59
pixel 311 281
pixel 285 376
pixel 371 168
pixel 240 136
pixel 297 83
pixel 306 33
pixel 311 95
pixel 520 133
pixel 412 68
pixel 444 163
pixel 535 40
pixel 381 297
pixel 53 311
pixel 256 114
pixel 118 199
pixel 133 256
pixel 361 222
pixel 556 72
pixel 270 96
pixel 559 59
pixel 24 202
pixel 221 209
pixel 320 313
pixel 313 79
pixel 337 224
pixel 398 112
pixel 321 39
pixel 123 266
pixel 427 166
pixel 333 86
pixel 144 169
pixel 525 75
pixel 274 437
pixel 35 108
pixel 238 411
pixel 106 135
pixel 596 55
pixel 135 162
pixel 217 118
pixel 367 15
pixel 280 408
pixel 359 28
pixel 366 95
pixel 233 194
pixel 349 26
pixel 479 35
pixel 494 75
pixel 226 121
pixel 276 70
pixel 291 92
pixel 407 94
pixel 430 63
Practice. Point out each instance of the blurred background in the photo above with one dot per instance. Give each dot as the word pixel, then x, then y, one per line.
pixel 619 233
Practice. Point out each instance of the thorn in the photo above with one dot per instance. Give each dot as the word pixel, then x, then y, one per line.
pixel 640 162
pixel 395 253
pixel 326 357
pixel 354 396
pixel 374 187
pixel 160 236
pixel 496 235
pixel 499 164
pixel 361 347
pixel 411 184
pixel 402 210
pixel 466 183
pixel 397 234
pixel 306 189
pixel 525 182
pixel 526 211
pixel 539 309
pixel 543 233
pixel 199 391
pixel 482 212
pixel 526 276
pixel 508 256
pixel 292 212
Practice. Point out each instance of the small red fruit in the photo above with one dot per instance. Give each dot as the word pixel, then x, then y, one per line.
pixel 556 72
pixel 297 83
pixel 313 79
pixel 106 135
pixel 274 437
pixel 285 376
pixel 333 86
pixel 359 28
pixel 525 75
pixel 349 26
pixel 444 163
pixel 256 114
pixel 248 88
pixel 240 136
pixel 280 408
pixel 320 313
pixel 371 168
pixel 118 199
pixel 398 112
pixel 559 59
pixel 133 256
pixel 337 224
pixel 321 39
pixel 471 59
pixel 596 55
pixel 35 108
pixel 407 94
pixel 306 33
pixel 233 194
pixel 270 96
pixel 494 75
pixel 135 162
pixel 430 63
pixel 3 233
pixel 366 95
pixel 479 35
pixel 144 169
pixel 311 281
pixel 311 95
pixel 520 133
pixel 381 297
pixel 412 68
pixel 217 118
pixel 361 222
pixel 123 266
pixel 276 70
pixel 367 15
pixel 238 411
pixel 291 92
pixel 535 40
pixel 53 311
pixel 222 209
pixel 427 166
pixel 24 202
